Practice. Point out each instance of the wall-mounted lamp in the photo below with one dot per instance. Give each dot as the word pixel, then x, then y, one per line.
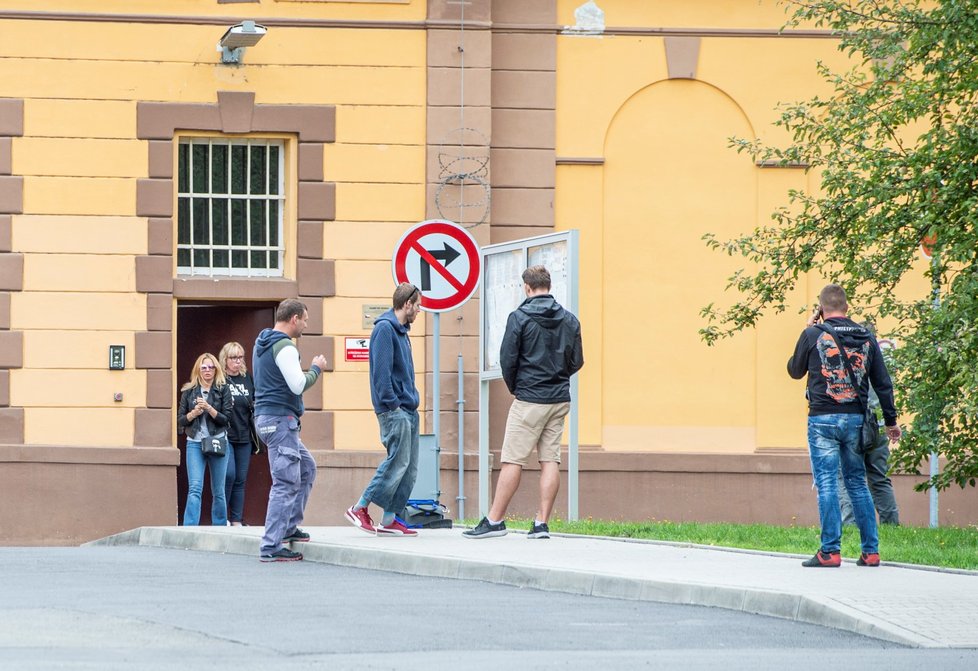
pixel 238 38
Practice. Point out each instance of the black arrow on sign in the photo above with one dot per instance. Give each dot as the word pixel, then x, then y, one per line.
pixel 448 254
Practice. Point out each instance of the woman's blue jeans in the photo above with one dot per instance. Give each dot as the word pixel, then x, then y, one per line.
pixel 392 483
pixel 239 459
pixel 195 477
pixel 834 440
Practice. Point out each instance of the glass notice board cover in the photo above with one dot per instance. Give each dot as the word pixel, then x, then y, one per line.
pixel 502 285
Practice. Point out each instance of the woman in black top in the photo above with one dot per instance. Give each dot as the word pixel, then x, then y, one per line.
pixel 242 388
pixel 205 405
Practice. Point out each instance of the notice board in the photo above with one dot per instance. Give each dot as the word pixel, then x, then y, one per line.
pixel 502 285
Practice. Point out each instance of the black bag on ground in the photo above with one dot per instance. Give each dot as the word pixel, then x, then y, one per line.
pixel 426 515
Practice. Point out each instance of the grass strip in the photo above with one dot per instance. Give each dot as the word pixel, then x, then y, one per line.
pixel 948 547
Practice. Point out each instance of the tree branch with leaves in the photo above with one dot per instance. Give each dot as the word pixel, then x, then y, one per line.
pixel 895 150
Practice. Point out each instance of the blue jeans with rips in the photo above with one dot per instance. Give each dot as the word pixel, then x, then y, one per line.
pixel 195 485
pixel 391 485
pixel 833 440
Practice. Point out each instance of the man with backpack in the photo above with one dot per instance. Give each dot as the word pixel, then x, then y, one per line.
pixel 841 358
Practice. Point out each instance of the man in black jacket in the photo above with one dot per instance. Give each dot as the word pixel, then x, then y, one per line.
pixel 835 417
pixel 540 351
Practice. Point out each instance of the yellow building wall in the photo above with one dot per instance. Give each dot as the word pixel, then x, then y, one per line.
pixel 668 177
pixel 680 13
pixel 368 10
pixel 663 191
pixel 80 159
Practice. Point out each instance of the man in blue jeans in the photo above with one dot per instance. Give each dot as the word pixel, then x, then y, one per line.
pixel 877 477
pixel 279 383
pixel 395 399
pixel 835 419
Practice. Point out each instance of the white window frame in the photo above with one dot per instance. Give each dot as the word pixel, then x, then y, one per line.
pixel 248 197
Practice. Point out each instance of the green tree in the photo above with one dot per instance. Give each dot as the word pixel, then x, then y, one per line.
pixel 895 149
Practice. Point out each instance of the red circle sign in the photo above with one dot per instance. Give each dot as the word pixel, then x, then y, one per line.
pixel 927 244
pixel 440 258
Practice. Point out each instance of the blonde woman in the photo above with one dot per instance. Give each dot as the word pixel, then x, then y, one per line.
pixel 205 405
pixel 242 386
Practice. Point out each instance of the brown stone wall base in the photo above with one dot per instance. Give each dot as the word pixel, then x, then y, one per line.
pixel 69 495
pixel 104 491
pixel 750 488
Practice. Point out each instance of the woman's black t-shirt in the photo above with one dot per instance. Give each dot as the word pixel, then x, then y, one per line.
pixel 243 395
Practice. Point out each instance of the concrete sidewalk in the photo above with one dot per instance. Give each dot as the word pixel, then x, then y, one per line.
pixel 917 607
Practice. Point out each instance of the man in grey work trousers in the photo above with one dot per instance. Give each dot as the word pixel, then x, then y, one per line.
pixel 279 383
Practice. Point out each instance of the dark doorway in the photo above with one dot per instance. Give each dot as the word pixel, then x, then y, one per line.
pixel 204 327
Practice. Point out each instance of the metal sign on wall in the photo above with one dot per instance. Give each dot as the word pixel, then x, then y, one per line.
pixel 370 311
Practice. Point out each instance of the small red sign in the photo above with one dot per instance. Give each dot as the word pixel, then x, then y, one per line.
pixel 357 349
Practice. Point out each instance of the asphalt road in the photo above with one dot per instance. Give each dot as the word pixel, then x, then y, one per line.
pixel 138 608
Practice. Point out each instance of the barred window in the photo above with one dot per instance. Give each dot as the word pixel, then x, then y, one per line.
pixel 230 202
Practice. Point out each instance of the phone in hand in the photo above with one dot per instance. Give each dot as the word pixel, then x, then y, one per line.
pixel 817 313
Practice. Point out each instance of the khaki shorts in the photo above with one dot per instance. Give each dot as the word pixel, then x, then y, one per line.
pixel 534 426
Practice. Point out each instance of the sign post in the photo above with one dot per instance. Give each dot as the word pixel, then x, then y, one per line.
pixel 928 245
pixel 443 261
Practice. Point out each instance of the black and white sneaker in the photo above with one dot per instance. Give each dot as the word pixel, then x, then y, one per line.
pixel 539 531
pixel 299 536
pixel 284 554
pixel 486 530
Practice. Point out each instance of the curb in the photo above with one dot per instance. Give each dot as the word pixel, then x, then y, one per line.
pixel 781 604
pixel 762 553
